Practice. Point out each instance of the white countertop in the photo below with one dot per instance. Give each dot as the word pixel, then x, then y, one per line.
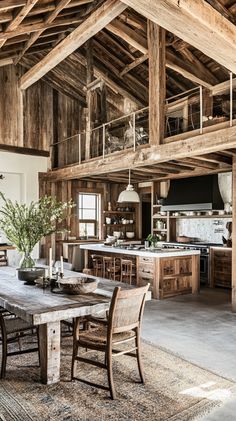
pixel 144 253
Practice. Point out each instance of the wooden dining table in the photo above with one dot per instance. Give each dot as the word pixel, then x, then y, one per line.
pixel 45 310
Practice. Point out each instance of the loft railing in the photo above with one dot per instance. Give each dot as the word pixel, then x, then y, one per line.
pixel 190 111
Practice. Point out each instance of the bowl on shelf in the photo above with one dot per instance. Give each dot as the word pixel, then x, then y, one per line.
pixel 117 234
pixel 130 234
pixel 78 285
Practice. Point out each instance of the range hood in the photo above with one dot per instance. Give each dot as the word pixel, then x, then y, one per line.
pixel 194 193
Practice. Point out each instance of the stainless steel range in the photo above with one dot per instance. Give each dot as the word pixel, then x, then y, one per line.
pixel 204 256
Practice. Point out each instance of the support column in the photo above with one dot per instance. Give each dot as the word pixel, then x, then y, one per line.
pixel 90 76
pixel 234 236
pixel 157 82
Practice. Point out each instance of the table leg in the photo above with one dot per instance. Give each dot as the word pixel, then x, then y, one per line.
pixel 49 348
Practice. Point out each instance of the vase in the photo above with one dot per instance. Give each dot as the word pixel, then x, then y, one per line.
pixel 26 261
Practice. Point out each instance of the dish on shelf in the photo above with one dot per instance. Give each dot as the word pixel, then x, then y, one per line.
pixel 117 234
pixel 221 212
pixel 162 213
pixel 130 234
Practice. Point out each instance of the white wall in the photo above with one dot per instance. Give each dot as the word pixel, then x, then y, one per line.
pixel 21 183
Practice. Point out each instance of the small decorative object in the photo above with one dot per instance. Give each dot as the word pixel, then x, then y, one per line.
pixel 109 206
pixel 25 225
pixel 108 221
pixel 78 285
pixel 154 239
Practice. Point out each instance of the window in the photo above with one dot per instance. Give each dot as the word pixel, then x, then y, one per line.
pixel 88 213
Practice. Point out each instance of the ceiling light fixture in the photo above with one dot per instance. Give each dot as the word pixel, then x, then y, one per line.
pixel 129 194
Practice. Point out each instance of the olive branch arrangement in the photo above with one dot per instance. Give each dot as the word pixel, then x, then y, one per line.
pixel 25 225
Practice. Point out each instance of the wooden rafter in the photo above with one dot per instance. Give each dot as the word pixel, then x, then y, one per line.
pixel 197 23
pixel 93 24
pixel 18 18
pixel 134 64
pixel 49 19
pixel 29 28
pixel 196 74
pixel 11 4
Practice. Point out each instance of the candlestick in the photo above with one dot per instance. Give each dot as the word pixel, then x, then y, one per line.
pixel 62 268
pixel 50 262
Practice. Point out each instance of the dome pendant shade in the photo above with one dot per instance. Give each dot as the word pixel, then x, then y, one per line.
pixel 129 194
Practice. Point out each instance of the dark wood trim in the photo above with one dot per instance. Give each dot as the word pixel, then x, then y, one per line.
pixel 24 151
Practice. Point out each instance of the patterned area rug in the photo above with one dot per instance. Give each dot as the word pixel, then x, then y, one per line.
pixel 175 390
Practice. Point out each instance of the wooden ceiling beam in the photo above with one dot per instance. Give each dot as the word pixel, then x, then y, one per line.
pixel 188 70
pixel 93 24
pixel 11 4
pixel 223 139
pixel 197 23
pixel 26 29
pixel 133 64
pixel 49 19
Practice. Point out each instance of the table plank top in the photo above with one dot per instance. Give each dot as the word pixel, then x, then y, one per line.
pixel 38 306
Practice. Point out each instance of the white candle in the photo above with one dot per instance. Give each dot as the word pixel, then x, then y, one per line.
pixel 62 268
pixel 50 262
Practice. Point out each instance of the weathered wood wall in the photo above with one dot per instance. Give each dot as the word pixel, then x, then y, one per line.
pixel 37 117
pixel 66 190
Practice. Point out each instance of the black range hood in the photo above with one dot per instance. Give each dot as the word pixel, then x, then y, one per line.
pixel 194 193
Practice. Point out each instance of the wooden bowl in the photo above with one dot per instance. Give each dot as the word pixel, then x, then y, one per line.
pixel 78 285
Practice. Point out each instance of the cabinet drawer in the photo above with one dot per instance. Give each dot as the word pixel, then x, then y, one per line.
pixel 223 254
pixel 146 268
pixel 149 260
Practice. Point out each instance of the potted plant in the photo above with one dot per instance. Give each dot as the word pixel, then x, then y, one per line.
pixel 25 225
pixel 153 238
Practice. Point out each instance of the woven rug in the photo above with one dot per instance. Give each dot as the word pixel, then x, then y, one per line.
pixel 175 390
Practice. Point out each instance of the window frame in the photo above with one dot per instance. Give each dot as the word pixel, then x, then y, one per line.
pixel 96 222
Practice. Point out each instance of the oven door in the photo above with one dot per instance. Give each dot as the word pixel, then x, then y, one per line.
pixel 204 269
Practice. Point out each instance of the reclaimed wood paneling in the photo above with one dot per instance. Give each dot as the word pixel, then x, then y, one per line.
pixel 25 118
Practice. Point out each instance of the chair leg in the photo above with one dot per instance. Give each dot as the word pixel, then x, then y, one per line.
pixel 110 373
pixel 75 346
pixel 138 354
pixel 4 356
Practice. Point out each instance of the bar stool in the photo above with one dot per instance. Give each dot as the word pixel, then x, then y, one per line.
pixel 127 271
pixel 97 262
pixel 111 268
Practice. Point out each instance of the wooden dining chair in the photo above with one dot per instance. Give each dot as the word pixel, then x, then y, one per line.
pixel 13 330
pixel 122 326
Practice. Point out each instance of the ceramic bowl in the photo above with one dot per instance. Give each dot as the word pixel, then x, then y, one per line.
pixel 130 234
pixel 78 285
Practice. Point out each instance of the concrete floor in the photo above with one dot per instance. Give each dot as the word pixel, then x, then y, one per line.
pixel 202 330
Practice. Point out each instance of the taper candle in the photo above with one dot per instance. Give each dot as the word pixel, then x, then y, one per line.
pixel 50 262
pixel 62 268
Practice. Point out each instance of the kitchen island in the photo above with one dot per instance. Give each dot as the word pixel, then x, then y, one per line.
pixel 170 272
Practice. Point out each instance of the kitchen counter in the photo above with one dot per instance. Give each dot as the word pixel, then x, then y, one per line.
pixel 169 272
pixel 139 252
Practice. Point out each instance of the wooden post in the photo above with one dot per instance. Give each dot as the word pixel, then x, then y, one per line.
pixel 49 346
pixel 90 75
pixel 157 82
pixel 234 236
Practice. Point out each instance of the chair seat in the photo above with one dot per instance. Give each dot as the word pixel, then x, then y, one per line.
pixel 99 335
pixel 15 324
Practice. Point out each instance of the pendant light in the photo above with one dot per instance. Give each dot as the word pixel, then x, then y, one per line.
pixel 129 194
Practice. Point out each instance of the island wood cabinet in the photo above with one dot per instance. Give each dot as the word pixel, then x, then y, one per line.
pixel 169 276
pixel 221 267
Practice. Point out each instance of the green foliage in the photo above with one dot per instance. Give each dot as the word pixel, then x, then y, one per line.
pixel 153 238
pixel 25 225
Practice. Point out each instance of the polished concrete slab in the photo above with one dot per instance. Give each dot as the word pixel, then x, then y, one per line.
pixel 202 330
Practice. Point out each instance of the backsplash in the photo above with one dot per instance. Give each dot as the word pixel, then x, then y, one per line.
pixel 205 230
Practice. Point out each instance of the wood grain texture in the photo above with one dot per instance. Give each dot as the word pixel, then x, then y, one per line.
pixel 195 22
pixel 96 21
pixel 157 82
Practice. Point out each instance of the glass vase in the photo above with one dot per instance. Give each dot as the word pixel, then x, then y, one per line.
pixel 26 261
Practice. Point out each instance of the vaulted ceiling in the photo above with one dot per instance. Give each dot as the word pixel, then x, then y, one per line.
pixel 30 29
